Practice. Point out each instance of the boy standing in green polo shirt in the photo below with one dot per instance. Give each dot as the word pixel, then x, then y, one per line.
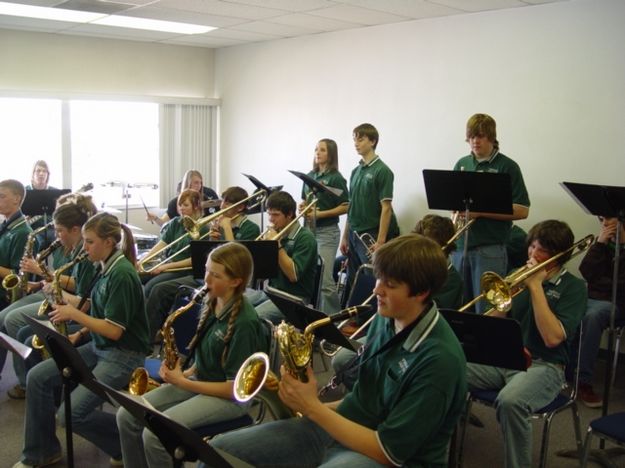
pixel 411 384
pixel 370 210
pixel 486 249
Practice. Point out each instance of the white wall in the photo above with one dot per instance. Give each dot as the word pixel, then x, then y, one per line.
pixel 553 76
pixel 50 63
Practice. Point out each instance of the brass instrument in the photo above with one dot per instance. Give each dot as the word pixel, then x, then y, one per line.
pixel 296 350
pixel 140 381
pixel 460 226
pixel 329 349
pixel 56 298
pixel 193 229
pixel 17 284
pixel 285 230
pixel 368 241
pixel 499 291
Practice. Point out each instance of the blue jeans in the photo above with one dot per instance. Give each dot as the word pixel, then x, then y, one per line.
pixel 520 394
pixel 596 319
pixel 142 449
pixel 35 298
pixel 110 366
pixel 328 238
pixel 480 260
pixel 294 442
pixel 160 278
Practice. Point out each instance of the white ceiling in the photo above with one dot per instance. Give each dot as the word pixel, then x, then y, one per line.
pixel 246 21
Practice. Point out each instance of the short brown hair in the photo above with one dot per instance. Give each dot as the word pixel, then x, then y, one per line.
pixel 553 235
pixel 369 131
pixel 412 259
pixel 15 187
pixel 193 197
pixel 438 228
pixel 483 125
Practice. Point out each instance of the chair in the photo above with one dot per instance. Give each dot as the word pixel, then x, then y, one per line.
pixel 618 331
pixel 610 427
pixel 210 430
pixel 364 283
pixel 315 300
pixel 184 328
pixel 565 399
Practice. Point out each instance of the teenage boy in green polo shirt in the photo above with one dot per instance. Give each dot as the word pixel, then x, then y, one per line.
pixel 411 384
pixel 14 232
pixel 489 234
pixel 549 310
pixel 297 255
pixel 370 210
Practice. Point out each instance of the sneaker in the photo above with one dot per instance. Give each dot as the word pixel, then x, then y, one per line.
pixel 589 397
pixel 116 461
pixel 17 393
pixel 49 461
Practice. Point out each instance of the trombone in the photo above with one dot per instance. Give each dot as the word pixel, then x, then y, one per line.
pixel 285 230
pixel 499 291
pixel 460 226
pixel 193 229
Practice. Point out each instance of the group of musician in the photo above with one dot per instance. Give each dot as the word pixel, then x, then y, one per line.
pixel 406 387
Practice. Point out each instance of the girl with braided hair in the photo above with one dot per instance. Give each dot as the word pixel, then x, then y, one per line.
pixel 228 332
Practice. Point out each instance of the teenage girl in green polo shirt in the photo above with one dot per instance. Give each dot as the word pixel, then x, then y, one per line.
pixel 229 331
pixel 188 205
pixel 328 209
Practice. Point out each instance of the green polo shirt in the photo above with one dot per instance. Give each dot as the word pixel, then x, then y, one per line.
pixel 566 296
pixel 60 257
pixel 12 242
pixel 243 229
pixel 450 295
pixel 247 339
pixel 491 231
pixel 369 185
pixel 327 201
pixel 411 394
pixel 301 246
pixel 118 298
pixel 172 231
pixel 83 272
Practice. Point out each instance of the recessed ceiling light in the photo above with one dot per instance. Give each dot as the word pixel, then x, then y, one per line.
pixel 75 16
pixel 153 25
pixel 58 14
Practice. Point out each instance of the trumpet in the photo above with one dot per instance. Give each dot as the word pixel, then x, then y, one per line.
pixel 193 229
pixel 285 230
pixel 255 377
pixel 368 241
pixel 499 291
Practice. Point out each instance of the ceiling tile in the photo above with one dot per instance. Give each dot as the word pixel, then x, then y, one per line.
pixel 282 30
pixel 357 15
pixel 183 16
pixel 415 9
pixel 221 8
pixel 479 5
pixel 288 5
pixel 203 41
pixel 313 22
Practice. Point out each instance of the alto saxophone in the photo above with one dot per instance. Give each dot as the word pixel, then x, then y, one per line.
pixel 140 381
pixel 296 349
pixel 17 284
pixel 55 298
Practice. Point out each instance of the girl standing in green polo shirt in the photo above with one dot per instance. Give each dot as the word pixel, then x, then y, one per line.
pixel 228 332
pixel 329 208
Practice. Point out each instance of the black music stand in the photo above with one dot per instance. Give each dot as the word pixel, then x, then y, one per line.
pixel 300 315
pixel 182 443
pixel 492 341
pixel 42 203
pixel 264 253
pixel 13 345
pixel 607 201
pixel 260 207
pixel 468 191
pixel 72 368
